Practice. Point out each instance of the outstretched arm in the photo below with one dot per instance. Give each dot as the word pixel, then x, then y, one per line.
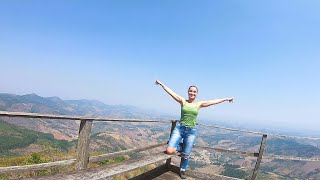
pixel 213 102
pixel 175 96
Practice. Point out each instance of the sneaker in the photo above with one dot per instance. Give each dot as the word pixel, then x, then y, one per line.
pixel 183 175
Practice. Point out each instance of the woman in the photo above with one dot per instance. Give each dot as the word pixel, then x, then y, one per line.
pixel 186 128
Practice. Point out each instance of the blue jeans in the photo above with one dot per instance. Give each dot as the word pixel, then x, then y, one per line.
pixel 188 134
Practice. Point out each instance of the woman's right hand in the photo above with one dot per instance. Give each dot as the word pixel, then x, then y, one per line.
pixel 158 83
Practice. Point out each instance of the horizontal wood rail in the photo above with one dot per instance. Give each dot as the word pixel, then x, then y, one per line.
pixel 105 172
pixel 35 167
pixel 253 154
pixel 92 159
pixel 52 116
pixel 121 153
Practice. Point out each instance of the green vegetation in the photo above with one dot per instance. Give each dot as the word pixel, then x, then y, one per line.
pixel 59 145
pixel 233 171
pixel 216 163
pixel 15 137
pixel 12 137
pixel 231 166
pixel 4 177
pixel 289 147
pixel 110 161
pixel 266 168
pixel 135 155
pixel 110 143
pixel 196 164
pixel 214 139
pixel 264 176
pixel 35 158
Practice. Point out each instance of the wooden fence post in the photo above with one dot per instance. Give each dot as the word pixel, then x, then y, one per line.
pixel 83 144
pixel 261 150
pixel 173 125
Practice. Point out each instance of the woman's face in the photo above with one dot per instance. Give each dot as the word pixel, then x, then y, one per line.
pixel 192 92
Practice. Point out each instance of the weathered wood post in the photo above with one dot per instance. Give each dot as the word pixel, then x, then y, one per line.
pixel 261 150
pixel 83 144
pixel 173 125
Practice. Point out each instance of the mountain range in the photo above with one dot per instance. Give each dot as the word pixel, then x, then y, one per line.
pixel 66 130
pixel 28 135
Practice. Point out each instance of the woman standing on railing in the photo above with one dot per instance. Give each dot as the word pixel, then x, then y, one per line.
pixel 186 128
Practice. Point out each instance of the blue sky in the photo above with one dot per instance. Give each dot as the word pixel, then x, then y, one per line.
pixel 265 54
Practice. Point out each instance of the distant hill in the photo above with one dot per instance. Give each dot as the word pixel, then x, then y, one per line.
pixel 21 135
pixel 14 137
pixel 54 105
pixel 66 130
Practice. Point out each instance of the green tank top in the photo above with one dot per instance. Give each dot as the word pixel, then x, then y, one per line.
pixel 189 116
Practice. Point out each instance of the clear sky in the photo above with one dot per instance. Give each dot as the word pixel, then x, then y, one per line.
pixel 263 53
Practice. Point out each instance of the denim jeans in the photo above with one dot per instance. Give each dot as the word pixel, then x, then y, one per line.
pixel 188 134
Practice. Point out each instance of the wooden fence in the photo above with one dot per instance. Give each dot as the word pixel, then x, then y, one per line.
pixel 83 158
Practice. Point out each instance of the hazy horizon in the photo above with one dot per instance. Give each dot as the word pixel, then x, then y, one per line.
pixel 258 126
pixel 265 54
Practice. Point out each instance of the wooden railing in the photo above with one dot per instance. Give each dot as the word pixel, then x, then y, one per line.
pixel 93 159
pixel 259 155
pixel 82 160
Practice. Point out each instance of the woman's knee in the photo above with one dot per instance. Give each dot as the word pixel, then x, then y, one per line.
pixel 170 150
